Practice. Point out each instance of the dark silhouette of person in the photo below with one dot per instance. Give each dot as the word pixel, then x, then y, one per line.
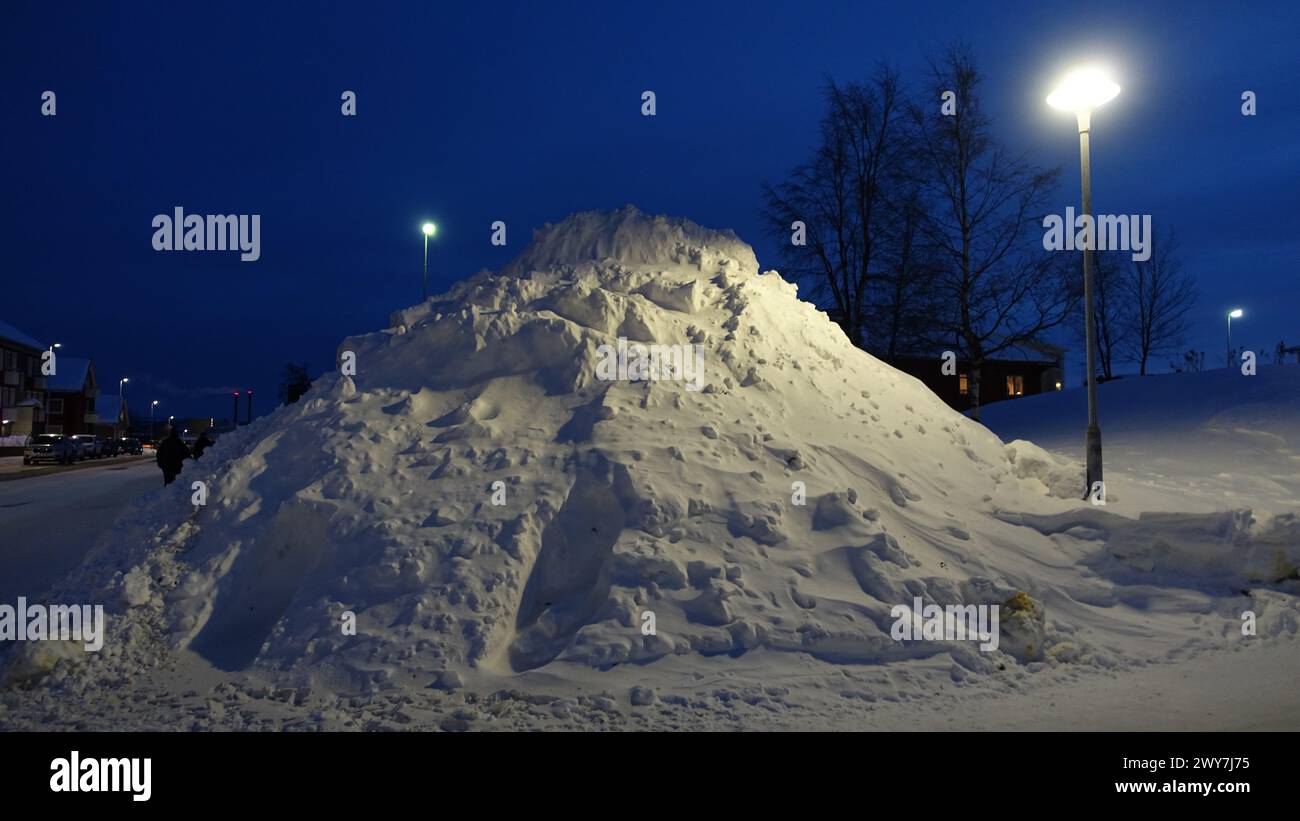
pixel 202 444
pixel 172 454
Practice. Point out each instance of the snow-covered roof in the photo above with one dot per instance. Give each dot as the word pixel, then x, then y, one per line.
pixel 70 375
pixel 108 407
pixel 12 334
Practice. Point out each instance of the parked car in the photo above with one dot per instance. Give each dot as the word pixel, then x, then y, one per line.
pixel 88 446
pixel 130 445
pixel 51 447
pixel 110 446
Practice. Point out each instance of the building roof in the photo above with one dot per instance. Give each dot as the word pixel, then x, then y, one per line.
pixel 70 375
pixel 108 408
pixel 12 334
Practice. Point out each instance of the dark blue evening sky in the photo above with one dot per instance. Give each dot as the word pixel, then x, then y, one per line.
pixel 470 113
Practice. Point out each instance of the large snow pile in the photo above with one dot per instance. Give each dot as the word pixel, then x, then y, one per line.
pixel 487 504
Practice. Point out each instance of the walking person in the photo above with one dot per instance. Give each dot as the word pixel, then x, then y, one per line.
pixel 172 454
pixel 202 444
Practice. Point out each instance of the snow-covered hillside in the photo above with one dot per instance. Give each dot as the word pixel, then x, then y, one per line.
pixel 501 517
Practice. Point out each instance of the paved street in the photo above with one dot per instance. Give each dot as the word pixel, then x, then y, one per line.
pixel 49 522
pixel 12 467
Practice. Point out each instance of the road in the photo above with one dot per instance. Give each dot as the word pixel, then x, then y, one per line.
pixel 49 522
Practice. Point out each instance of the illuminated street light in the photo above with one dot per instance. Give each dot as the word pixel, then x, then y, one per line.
pixel 1082 91
pixel 429 230
pixel 1235 313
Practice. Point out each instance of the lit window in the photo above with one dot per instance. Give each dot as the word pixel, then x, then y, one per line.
pixel 1015 386
pixel 963 384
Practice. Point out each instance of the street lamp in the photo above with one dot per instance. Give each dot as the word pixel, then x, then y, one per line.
pixel 116 431
pixel 153 432
pixel 1081 92
pixel 429 230
pixel 1235 313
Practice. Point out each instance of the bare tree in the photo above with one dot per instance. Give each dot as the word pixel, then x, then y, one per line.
pixel 840 195
pixel 899 305
pixel 1158 296
pixel 998 287
pixel 1110 328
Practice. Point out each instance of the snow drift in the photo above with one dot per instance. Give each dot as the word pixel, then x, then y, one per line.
pixel 485 504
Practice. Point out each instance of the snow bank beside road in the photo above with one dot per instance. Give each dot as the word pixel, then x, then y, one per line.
pixel 495 513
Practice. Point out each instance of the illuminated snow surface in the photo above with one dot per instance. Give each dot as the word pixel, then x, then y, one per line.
pixel 375 495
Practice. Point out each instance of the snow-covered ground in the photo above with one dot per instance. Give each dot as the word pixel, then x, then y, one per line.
pixel 1215 440
pixel 505 522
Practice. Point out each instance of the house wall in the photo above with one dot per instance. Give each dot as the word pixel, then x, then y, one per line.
pixel 77 416
pixel 21 380
pixel 1035 377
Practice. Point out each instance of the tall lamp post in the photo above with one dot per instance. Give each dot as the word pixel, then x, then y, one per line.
pixel 1081 92
pixel 429 230
pixel 1235 313
pixel 117 432
pixel 153 432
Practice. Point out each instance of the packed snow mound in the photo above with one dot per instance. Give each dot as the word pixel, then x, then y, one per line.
pixel 627 428
pixel 629 237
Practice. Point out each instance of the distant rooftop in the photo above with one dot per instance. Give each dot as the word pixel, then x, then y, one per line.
pixel 70 374
pixel 12 334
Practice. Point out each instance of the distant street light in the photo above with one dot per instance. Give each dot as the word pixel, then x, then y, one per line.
pixel 52 347
pixel 1081 92
pixel 1235 313
pixel 429 230
pixel 153 433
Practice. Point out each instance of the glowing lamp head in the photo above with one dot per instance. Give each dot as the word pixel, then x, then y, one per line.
pixel 429 229
pixel 1083 90
pixel 1235 314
